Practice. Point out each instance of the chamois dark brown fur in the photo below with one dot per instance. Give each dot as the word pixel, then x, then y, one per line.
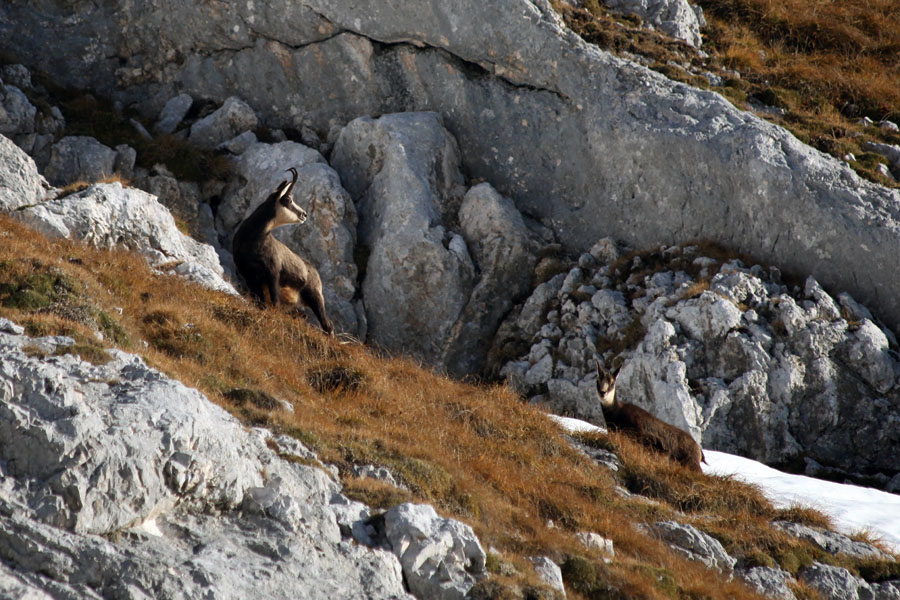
pixel 268 266
pixel 646 429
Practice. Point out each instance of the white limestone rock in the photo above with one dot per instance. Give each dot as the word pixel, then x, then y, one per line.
pixel 550 573
pixel 768 581
pixel 836 583
pixel 676 18
pixel 441 558
pixel 20 183
pixel 207 506
pixel 694 545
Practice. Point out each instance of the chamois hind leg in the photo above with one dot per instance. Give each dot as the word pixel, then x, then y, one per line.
pixel 314 300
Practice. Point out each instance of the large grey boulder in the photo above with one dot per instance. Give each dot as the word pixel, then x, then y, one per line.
pixel 401 171
pixel 676 18
pixel 20 182
pixel 441 558
pixel 231 119
pixel 117 481
pixel 110 216
pixel 79 158
pixel 837 583
pixel 503 251
pixel 328 236
pixel 16 111
pixel 693 544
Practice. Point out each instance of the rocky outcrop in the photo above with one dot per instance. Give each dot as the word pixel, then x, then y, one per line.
pixel 693 544
pixel 676 18
pixel 20 183
pixel 594 145
pixel 441 558
pixel 748 364
pixel 837 583
pixel 769 581
pixel 117 481
pixel 402 172
pixel 110 216
pixel 832 542
pixel 107 216
pixel 443 265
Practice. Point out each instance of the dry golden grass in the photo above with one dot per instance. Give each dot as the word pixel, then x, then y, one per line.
pixel 476 452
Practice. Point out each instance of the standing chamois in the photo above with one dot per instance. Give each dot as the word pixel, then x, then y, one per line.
pixel 268 265
pixel 646 429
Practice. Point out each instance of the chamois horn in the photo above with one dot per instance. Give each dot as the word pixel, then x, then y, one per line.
pixel 286 188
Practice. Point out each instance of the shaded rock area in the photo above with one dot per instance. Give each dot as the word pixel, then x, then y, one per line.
pixel 780 372
pixel 118 482
pixel 442 265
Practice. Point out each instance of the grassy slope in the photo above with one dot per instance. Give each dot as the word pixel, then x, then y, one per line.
pixel 825 63
pixel 476 452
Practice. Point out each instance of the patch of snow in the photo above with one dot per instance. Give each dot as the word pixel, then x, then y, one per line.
pixel 851 507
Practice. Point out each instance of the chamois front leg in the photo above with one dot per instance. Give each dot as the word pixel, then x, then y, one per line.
pixel 274 287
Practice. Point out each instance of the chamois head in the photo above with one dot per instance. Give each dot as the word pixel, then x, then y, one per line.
pixel 606 386
pixel 286 210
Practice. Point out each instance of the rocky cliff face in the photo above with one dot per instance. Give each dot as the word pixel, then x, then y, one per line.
pixel 593 145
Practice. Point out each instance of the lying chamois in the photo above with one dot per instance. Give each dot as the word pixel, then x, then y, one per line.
pixel 268 265
pixel 649 431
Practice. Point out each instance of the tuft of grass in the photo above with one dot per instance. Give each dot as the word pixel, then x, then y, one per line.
pixel 257 398
pixel 336 378
pixel 377 494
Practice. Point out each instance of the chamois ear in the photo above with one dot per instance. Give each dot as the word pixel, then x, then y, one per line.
pixel 601 372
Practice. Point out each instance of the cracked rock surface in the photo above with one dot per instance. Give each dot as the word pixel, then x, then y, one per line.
pixel 119 482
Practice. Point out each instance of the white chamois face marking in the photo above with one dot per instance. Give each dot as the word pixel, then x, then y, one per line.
pixel 287 212
pixel 606 390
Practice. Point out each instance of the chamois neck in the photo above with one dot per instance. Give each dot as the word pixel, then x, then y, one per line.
pixel 260 222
